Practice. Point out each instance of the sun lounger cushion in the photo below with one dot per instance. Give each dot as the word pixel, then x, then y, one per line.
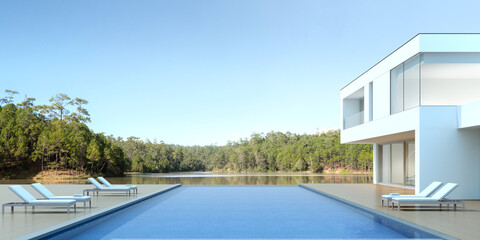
pixel 29 198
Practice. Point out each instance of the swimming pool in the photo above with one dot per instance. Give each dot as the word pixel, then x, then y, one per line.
pixel 239 212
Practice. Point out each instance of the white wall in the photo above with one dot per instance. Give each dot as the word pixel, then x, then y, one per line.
pixel 381 96
pixel 446 153
pixel 469 115
pixel 398 123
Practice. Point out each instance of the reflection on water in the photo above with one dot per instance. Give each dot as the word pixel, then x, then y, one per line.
pixel 239 179
pixel 208 178
pixel 16 181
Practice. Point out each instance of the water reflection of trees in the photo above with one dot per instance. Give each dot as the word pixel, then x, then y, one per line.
pixel 245 180
pixel 220 180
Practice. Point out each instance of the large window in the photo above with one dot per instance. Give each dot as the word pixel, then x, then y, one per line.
pixel 450 78
pixel 405 85
pixel 411 82
pixel 435 79
pixel 410 163
pixel 396 89
pixel 398 163
pixel 386 162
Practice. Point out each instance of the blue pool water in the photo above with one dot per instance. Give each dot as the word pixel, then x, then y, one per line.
pixel 242 212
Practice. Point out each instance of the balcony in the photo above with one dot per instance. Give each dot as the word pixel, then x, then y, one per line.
pixel 353 120
pixel 353 109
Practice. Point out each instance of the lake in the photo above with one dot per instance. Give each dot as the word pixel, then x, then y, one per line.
pixel 209 178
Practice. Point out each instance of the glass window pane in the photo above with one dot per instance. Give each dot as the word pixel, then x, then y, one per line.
pixel 410 161
pixel 396 89
pixel 386 164
pixel 412 82
pixel 397 163
pixel 450 78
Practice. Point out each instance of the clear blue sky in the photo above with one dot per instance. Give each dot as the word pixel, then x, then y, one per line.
pixel 204 72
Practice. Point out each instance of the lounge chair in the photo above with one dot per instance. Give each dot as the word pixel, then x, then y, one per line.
pixel 50 196
pixel 108 184
pixel 437 198
pixel 100 188
pixel 30 200
pixel 427 192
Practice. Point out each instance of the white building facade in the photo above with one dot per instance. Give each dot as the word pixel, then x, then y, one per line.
pixel 420 107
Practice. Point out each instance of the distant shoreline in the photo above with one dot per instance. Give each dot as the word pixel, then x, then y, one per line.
pixel 68 178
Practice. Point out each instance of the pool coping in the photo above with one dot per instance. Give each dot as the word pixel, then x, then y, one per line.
pixel 379 214
pixel 83 219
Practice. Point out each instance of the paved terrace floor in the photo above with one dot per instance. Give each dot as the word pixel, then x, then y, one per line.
pixel 461 224
pixel 20 223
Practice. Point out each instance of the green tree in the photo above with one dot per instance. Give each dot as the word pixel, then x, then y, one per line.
pixel 59 106
pixel 9 98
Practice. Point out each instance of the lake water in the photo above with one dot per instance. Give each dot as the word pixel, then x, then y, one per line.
pixel 209 178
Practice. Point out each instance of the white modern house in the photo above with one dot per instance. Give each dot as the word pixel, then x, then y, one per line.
pixel 420 107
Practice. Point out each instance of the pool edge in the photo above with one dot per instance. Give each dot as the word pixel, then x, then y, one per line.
pixel 77 221
pixel 380 214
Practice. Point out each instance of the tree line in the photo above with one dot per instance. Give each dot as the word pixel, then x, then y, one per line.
pixel 53 137
pixel 271 152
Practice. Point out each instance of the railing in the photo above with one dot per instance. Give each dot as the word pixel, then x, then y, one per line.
pixel 353 120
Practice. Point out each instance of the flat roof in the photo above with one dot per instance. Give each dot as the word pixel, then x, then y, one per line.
pixel 398 49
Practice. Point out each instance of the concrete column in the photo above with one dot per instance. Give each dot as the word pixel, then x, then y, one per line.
pixel 377 157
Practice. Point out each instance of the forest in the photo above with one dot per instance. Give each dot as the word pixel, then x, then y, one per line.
pixel 53 137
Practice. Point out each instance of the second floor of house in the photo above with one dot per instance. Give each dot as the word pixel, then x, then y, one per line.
pixel 429 70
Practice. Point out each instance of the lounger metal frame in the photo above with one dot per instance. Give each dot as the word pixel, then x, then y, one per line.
pixel 96 190
pixel 25 204
pixel 441 202
pixel 108 184
pixel 30 200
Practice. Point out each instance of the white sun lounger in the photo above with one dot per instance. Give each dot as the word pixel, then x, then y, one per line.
pixel 30 200
pixel 427 192
pixel 49 195
pixel 437 198
pixel 100 188
pixel 108 184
